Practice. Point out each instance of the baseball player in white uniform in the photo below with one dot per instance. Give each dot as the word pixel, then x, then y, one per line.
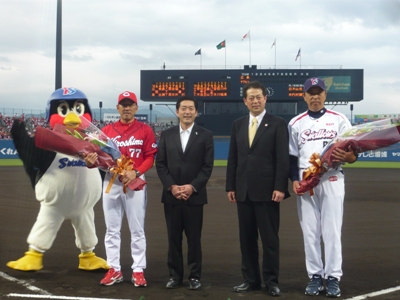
pixel 320 215
pixel 136 141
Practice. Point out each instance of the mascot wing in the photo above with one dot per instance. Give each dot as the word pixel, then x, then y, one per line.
pixel 36 161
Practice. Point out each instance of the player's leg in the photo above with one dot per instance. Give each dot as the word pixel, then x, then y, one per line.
pixel 332 219
pixel 135 206
pixel 113 216
pixel 309 215
pixel 308 208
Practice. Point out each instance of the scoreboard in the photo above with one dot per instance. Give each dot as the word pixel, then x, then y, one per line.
pixel 227 84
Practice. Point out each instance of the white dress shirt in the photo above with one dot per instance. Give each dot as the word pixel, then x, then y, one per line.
pixel 185 136
pixel 259 118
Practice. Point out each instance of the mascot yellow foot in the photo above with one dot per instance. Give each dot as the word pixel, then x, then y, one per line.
pixel 32 261
pixel 89 261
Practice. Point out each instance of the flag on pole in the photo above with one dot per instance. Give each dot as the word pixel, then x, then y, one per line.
pixel 246 35
pixel 298 54
pixel 221 45
pixel 198 52
pixel 274 43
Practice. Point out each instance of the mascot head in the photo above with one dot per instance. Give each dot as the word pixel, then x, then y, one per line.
pixel 66 105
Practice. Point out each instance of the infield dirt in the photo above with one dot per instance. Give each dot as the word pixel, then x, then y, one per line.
pixel 371 244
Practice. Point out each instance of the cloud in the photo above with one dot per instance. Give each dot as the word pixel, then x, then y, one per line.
pixel 106 44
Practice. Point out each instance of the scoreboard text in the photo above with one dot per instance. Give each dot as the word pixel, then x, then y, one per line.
pixel 217 85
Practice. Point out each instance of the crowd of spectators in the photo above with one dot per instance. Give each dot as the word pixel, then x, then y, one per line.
pixel 32 122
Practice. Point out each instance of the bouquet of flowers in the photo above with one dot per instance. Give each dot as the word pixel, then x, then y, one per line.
pixel 361 138
pixel 83 139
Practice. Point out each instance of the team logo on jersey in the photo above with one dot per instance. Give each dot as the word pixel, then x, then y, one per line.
pixel 68 91
pixel 65 162
pixel 131 142
pixel 322 134
pixel 333 178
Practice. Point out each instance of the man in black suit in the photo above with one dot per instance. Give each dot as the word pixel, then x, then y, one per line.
pixel 184 165
pixel 257 180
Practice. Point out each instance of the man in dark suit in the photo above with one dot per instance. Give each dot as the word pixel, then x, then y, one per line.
pixel 257 180
pixel 184 164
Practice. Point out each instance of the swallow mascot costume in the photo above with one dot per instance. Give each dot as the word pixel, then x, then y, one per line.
pixel 64 186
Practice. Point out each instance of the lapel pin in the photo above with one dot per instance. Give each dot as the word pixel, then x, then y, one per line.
pixel 196 133
pixel 266 125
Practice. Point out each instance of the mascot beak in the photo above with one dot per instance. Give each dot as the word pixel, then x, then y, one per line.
pixel 72 119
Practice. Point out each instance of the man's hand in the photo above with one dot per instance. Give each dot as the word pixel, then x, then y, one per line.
pixel 90 159
pixel 295 186
pixel 186 191
pixel 127 176
pixel 342 156
pixel 181 192
pixel 232 196
pixel 277 196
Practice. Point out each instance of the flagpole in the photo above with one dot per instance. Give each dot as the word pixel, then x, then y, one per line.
pixel 274 44
pixel 249 49
pixel 225 54
pixel 300 58
pixel 201 55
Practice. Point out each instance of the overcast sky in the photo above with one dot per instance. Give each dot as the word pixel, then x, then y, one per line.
pixel 105 44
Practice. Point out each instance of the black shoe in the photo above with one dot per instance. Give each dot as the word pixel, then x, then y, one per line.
pixel 173 284
pixel 194 284
pixel 245 287
pixel 273 291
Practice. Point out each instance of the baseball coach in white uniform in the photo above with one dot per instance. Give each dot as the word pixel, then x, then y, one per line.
pixel 321 214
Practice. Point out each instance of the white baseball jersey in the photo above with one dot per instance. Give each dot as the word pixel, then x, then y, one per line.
pixel 322 213
pixel 308 135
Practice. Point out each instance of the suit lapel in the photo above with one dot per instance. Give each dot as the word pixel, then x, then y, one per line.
pixel 246 131
pixel 193 135
pixel 261 129
pixel 177 139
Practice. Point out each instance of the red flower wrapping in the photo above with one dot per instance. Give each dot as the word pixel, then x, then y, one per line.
pixel 59 142
pixel 361 138
pixel 64 143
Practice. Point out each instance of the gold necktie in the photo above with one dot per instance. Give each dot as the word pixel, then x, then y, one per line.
pixel 252 130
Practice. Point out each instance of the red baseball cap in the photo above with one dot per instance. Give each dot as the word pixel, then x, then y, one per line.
pixel 127 95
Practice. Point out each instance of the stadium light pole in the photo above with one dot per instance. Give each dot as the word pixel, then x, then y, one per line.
pixel 351 114
pixel 58 45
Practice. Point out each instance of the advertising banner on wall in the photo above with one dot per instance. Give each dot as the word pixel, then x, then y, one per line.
pixel 115 117
pixel 7 149
pixel 389 154
pixel 359 119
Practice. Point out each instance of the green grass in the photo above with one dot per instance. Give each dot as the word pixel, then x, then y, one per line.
pixel 374 165
pixel 10 162
pixel 222 163
pixel 358 164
